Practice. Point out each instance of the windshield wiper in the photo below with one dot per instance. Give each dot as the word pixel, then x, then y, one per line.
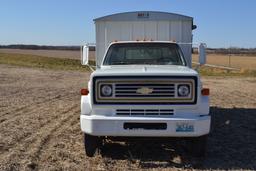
pixel 119 63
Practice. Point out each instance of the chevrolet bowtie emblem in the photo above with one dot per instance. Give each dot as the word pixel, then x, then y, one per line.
pixel 144 90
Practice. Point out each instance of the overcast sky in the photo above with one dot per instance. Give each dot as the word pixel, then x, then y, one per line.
pixel 220 23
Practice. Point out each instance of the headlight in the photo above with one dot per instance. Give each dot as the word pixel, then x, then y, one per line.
pixel 106 90
pixel 183 90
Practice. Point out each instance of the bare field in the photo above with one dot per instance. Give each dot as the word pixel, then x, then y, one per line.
pixel 236 61
pixel 70 54
pixel 40 130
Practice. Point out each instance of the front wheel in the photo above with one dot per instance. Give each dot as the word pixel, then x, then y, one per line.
pixel 91 143
pixel 197 146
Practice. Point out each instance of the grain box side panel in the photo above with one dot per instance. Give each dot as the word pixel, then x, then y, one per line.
pixel 187 38
pixel 100 42
pixel 180 31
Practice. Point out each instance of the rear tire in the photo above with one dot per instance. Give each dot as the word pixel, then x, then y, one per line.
pixel 91 144
pixel 197 146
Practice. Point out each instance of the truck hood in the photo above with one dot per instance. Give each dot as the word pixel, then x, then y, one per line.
pixel 170 70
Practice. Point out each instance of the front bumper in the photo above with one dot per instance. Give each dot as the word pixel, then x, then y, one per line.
pixel 114 126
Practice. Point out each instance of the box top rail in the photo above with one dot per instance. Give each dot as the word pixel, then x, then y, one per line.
pixel 143 16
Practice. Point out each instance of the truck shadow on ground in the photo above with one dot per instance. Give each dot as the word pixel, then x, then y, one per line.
pixel 231 145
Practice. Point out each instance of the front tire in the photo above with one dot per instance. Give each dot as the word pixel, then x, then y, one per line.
pixel 197 146
pixel 91 143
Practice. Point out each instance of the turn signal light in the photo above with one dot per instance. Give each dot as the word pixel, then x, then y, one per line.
pixel 84 91
pixel 205 91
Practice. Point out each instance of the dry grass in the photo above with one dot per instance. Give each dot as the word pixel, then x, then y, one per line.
pixel 215 71
pixel 70 54
pixel 237 61
pixel 42 62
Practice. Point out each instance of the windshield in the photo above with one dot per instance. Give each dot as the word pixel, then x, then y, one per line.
pixel 144 53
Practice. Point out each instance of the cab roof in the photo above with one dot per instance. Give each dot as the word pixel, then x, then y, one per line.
pixel 142 41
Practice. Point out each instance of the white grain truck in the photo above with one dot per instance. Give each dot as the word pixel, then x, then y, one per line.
pixel 143 86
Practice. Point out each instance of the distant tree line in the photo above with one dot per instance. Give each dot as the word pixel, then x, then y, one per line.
pixel 231 50
pixel 43 47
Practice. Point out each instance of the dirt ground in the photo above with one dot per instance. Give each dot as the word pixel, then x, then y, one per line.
pixel 40 130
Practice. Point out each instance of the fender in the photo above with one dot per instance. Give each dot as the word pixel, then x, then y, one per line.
pixel 86 106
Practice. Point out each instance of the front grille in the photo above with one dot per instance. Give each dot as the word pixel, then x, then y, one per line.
pixel 131 90
pixel 162 90
pixel 144 112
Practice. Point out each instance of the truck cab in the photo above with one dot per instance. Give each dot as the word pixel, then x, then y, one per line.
pixel 144 89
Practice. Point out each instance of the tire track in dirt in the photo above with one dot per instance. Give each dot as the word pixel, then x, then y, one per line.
pixel 238 95
pixel 65 144
pixel 47 137
pixel 42 100
pixel 26 146
pixel 20 91
pixel 25 134
pixel 35 106
pixel 46 142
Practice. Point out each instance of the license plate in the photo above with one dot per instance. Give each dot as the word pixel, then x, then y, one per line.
pixel 184 127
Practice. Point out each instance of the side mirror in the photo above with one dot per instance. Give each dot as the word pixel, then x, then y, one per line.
pixel 202 53
pixel 85 55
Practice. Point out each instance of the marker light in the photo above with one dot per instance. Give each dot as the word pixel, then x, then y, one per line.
pixel 84 91
pixel 205 91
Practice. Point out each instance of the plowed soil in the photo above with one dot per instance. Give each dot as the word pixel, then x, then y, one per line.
pixel 40 129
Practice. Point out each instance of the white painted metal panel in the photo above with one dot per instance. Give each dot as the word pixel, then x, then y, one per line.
pixel 150 30
pixel 100 41
pixel 186 31
pixel 163 31
pixel 113 32
pixel 138 30
pixel 126 31
pixel 175 31
pixel 171 27
pixel 187 38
